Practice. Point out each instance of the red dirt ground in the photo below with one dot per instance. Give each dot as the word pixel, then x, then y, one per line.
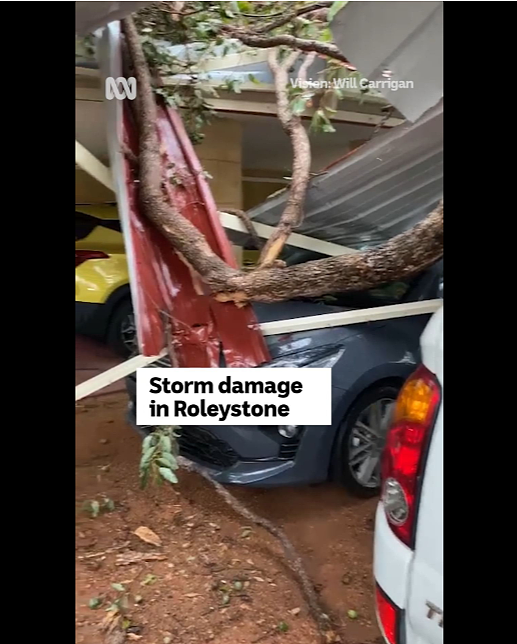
pixel 205 546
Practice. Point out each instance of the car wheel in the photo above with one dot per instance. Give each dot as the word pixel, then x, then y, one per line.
pixel 361 438
pixel 122 330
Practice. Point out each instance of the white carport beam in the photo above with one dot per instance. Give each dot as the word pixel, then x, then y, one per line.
pixel 295 239
pixel 270 109
pixel 280 327
pixel 112 375
pixel 91 165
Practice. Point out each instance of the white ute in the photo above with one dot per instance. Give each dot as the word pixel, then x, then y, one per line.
pixel 408 548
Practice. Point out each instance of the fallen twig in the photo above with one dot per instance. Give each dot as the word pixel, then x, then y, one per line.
pixel 130 558
pixel 104 552
pixel 327 633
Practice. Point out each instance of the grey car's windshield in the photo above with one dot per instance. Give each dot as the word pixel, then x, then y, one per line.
pixel 392 293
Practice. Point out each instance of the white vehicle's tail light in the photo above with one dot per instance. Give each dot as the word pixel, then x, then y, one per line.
pixel 404 454
pixel 389 617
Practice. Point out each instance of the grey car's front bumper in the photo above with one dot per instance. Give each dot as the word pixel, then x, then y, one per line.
pixel 253 455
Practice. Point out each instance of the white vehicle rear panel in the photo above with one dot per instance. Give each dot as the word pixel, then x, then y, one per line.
pixel 413 580
pixel 425 589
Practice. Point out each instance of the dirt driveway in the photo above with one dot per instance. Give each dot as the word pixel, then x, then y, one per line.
pixel 212 579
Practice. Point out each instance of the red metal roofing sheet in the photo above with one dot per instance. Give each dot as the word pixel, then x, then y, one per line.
pixel 173 306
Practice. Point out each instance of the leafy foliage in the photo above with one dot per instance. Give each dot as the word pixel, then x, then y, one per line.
pixel 208 30
pixel 159 457
pixel 178 44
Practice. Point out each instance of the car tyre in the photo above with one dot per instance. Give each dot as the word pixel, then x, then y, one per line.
pixel 121 335
pixel 374 408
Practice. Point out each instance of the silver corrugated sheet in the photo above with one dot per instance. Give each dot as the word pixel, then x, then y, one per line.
pixel 90 16
pixel 376 192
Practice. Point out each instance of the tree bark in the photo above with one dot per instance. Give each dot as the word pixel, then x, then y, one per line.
pixel 404 255
pixel 293 212
pixel 264 41
pixel 289 16
pixel 401 257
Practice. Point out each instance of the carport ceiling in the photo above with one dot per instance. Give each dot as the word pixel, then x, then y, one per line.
pixel 265 146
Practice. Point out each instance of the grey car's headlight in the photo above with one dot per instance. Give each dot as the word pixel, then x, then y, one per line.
pixel 319 357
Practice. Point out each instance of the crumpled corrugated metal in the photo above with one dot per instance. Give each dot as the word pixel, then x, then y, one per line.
pixel 377 191
pixel 393 42
pixel 172 308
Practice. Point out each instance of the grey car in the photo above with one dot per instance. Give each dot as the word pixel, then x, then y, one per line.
pixel 369 363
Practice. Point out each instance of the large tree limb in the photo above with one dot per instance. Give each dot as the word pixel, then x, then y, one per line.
pixel 293 126
pixel 183 235
pixel 404 255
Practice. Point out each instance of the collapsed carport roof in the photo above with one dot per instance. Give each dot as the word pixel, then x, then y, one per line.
pixel 393 181
pixel 377 191
pixel 397 178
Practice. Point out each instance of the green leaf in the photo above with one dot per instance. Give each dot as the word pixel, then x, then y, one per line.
pixel 283 627
pixel 146 457
pixel 298 105
pixel 149 580
pixel 95 602
pixel 95 509
pixel 253 79
pixel 119 587
pixel 148 440
pixel 167 460
pixel 113 608
pixel 108 505
pixel 336 6
pixel 168 475
pixel 325 35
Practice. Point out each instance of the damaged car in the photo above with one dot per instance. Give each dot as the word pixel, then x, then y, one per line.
pixel 370 362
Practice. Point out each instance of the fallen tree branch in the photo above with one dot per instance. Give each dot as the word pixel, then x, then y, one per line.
pixel 293 126
pixel 294 561
pixel 401 257
pixel 263 41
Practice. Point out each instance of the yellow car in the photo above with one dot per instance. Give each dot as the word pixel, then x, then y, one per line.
pixel 103 308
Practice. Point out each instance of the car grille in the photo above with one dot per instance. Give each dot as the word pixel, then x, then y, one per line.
pixel 201 445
